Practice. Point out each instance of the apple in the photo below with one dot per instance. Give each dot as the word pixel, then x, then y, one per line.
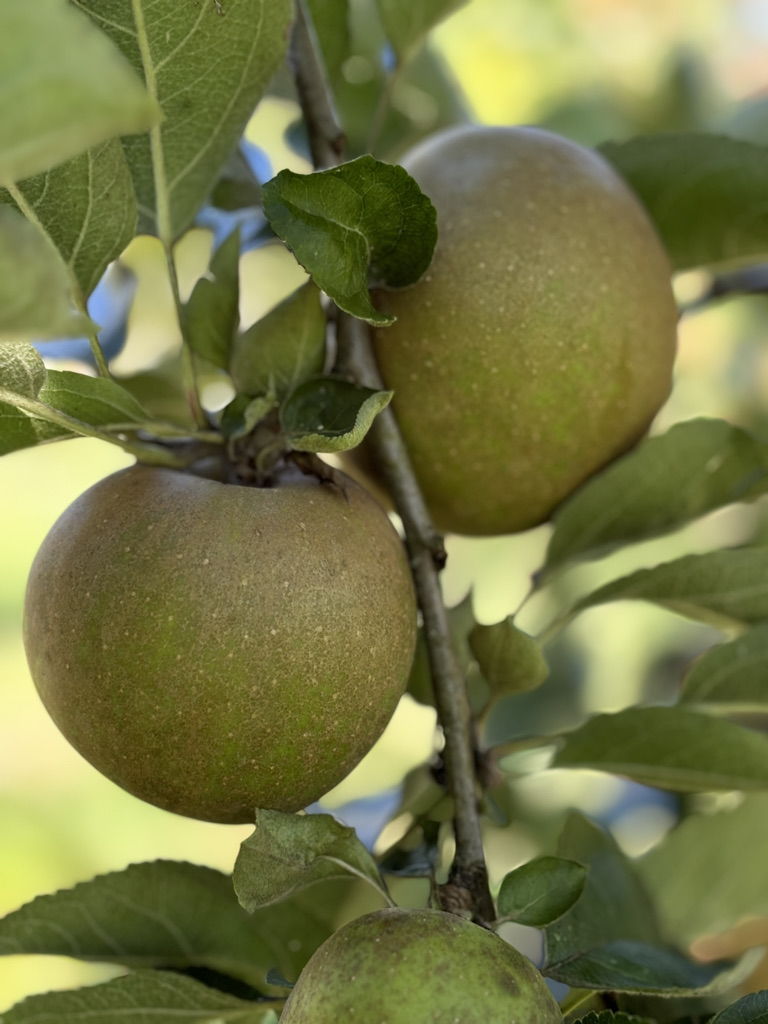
pixel 214 648
pixel 540 343
pixel 400 966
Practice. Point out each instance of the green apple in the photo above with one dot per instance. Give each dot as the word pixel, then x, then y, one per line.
pixel 540 343
pixel 214 648
pixel 402 966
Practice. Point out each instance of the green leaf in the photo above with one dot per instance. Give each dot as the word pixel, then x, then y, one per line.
pixel 510 660
pixel 609 939
pixel 282 349
pixel 420 680
pixel 36 298
pixel 288 852
pixel 425 93
pixel 407 23
pixel 159 996
pixel 174 915
pixel 707 194
pixel 330 415
pixel 539 892
pixel 725 588
pixel 63 88
pixel 720 854
pixel 208 70
pixel 161 391
pixel 750 1009
pixel 22 372
pixel 665 482
pixel 613 904
pixel 731 677
pixel 97 401
pixel 670 748
pixel 243 413
pixel 627 966
pixel 237 187
pixel 212 312
pixel 344 221
pixel 330 19
pixel 89 401
pixel 86 206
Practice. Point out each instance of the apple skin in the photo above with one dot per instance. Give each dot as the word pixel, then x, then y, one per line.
pixel 214 648
pixel 540 343
pixel 401 966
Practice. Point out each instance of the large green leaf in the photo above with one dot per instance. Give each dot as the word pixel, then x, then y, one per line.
pixel 709 872
pixel 208 65
pixel 732 676
pixel 671 748
pixel 63 88
pixel 626 966
pixel 613 903
pixel 725 588
pixel 98 401
pixel 86 206
pixel 157 996
pixel 36 291
pixel 174 915
pixel 707 194
pixel 694 468
pixel 610 939
pixel 363 216
pixel 85 402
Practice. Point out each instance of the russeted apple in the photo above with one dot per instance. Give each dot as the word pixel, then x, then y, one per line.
pixel 539 345
pixel 214 648
pixel 401 966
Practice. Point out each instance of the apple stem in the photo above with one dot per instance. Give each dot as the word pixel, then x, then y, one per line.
pixel 467 889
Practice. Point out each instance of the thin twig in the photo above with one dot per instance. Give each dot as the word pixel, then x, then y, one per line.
pixel 467 889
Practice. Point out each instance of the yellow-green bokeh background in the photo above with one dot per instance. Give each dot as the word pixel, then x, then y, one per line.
pixel 591 67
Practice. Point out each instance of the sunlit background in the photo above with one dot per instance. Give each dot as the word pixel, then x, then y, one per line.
pixel 593 70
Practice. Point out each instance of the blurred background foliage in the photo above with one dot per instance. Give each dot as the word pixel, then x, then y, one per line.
pixel 592 70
